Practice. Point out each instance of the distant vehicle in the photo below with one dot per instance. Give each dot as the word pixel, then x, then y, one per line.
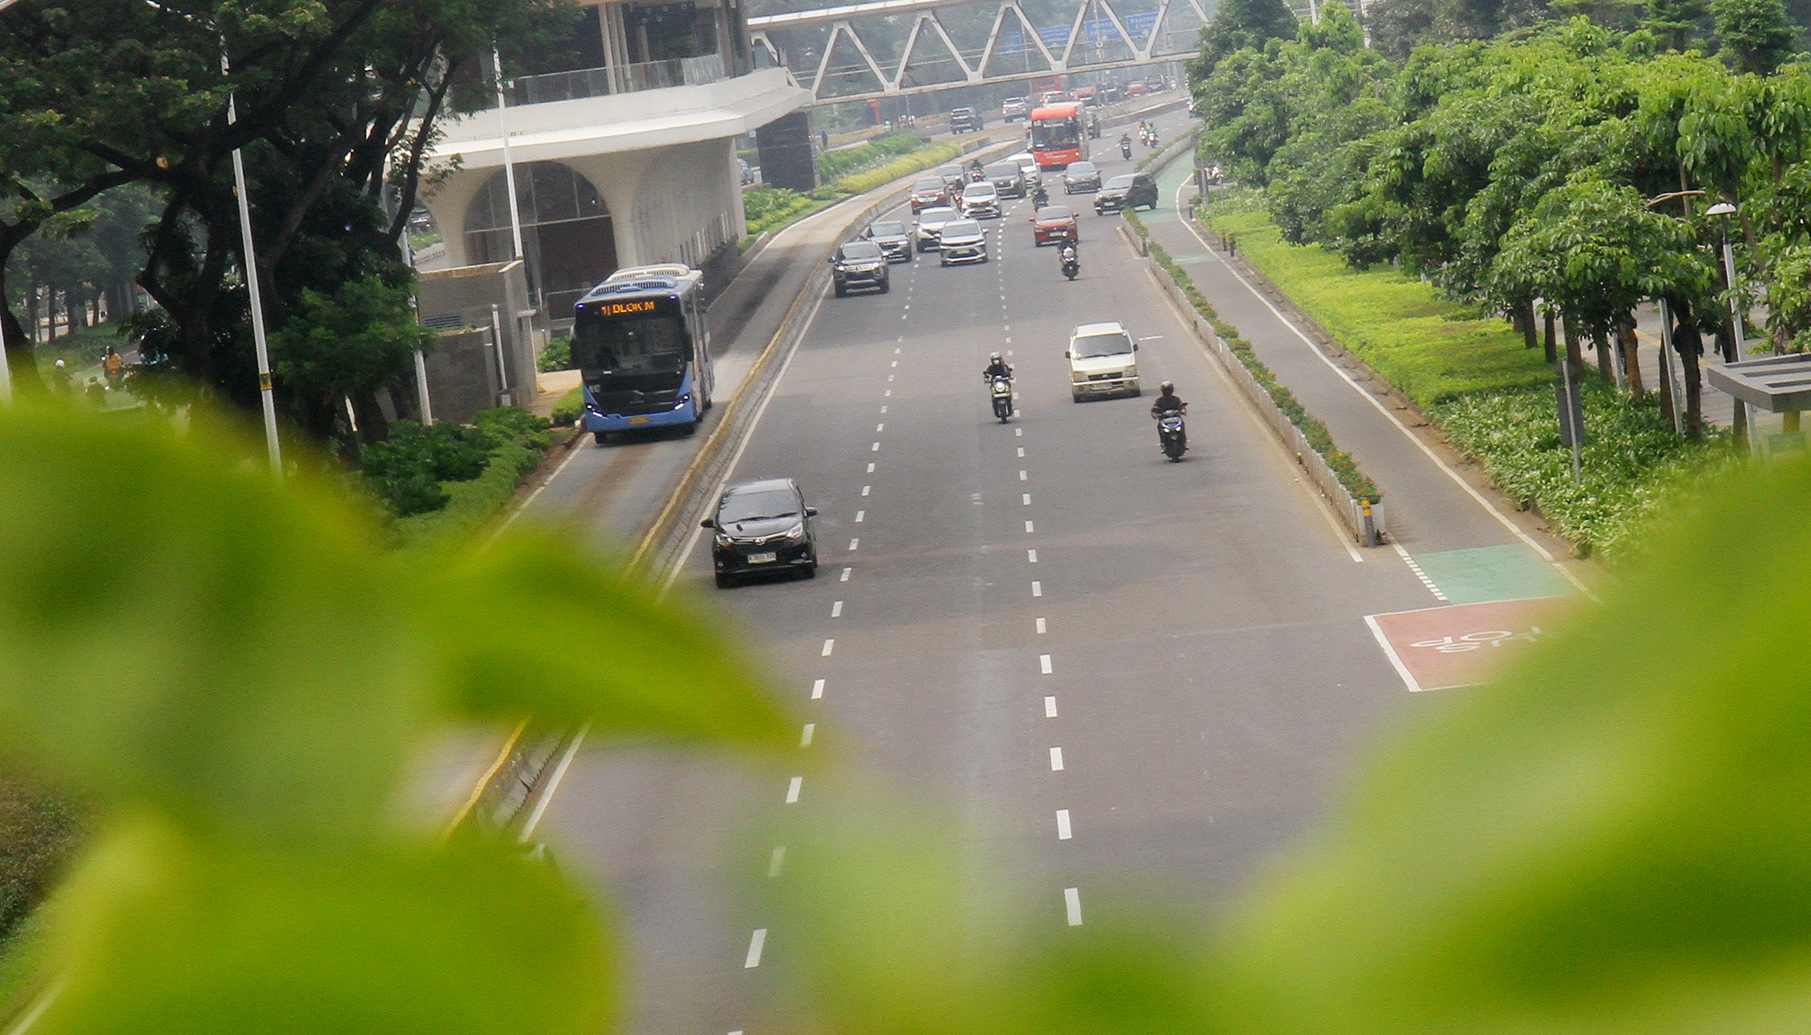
pixel 1084 93
pixel 1057 132
pixel 1108 93
pixel 1080 178
pixel 858 264
pixel 1126 191
pixel 748 173
pixel 762 527
pixel 1102 361
pixel 962 240
pixel 1028 164
pixel 1008 179
pixel 1136 90
pixel 1054 223
pixel 894 239
pixel 929 193
pixel 965 120
pixel 981 201
pixel 642 345
pixel 930 224
pixel 954 176
pixel 1015 109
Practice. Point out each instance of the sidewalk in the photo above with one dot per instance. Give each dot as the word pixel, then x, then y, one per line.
pixel 1438 507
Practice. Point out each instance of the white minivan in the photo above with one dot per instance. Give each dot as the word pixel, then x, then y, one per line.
pixel 1102 361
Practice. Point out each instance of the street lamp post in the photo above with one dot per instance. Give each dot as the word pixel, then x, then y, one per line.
pixel 1723 210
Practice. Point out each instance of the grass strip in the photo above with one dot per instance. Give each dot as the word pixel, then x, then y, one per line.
pixel 1344 465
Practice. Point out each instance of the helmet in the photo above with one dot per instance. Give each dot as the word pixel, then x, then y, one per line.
pixel 1167 388
pixel 995 357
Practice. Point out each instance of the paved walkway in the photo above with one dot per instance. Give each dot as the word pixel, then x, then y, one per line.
pixel 1441 512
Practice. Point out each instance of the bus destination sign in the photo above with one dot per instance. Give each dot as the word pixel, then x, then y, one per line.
pixel 639 305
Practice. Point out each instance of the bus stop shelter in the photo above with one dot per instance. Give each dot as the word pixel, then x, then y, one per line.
pixel 1776 384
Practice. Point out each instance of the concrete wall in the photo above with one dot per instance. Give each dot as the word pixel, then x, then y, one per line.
pixel 460 300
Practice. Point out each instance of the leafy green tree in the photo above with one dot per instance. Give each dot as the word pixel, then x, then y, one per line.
pixel 1757 33
pixel 1240 25
pixel 1676 21
pixel 349 343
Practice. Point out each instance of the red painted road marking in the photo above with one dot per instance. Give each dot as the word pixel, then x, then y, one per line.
pixel 1438 648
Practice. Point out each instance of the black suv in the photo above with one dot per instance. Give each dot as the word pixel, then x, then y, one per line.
pixel 1128 190
pixel 858 264
pixel 761 527
pixel 965 120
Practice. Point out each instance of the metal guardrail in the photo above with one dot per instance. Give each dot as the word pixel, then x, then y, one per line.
pixel 615 79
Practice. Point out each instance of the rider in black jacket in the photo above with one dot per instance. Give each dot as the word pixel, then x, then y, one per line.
pixel 1168 401
pixel 996 367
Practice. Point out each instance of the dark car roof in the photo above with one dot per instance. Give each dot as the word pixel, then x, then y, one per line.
pixel 1122 180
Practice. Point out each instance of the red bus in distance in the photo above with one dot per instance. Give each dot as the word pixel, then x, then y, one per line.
pixel 1057 136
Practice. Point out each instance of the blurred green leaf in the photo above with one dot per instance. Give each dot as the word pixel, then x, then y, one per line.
pixel 532 625
pixel 161 932
pixel 1614 838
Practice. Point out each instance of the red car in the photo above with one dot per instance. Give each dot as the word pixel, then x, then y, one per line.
pixel 929 193
pixel 1055 223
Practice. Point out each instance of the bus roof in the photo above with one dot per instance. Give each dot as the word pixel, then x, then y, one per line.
pixel 666 279
pixel 1065 110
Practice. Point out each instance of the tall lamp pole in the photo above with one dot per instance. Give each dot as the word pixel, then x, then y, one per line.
pixel 1723 210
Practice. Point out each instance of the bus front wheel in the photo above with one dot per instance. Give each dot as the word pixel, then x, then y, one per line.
pixel 601 438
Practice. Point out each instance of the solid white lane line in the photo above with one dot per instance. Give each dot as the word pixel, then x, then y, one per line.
pixel 1024 477
pixel 1028 527
pixel 792 790
pixel 805 734
pixel 1056 760
pixel 1063 833
pixel 553 783
pixel 853 543
pixel 1040 627
pixel 1044 663
pixel 829 646
pixel 817 689
pixel 1025 498
pixel 1031 556
pixel 859 515
pixel 1049 707
pixel 755 944
pixel 1072 903
pixel 776 861
pixel 1037 588
pixel 845 576
pixel 836 609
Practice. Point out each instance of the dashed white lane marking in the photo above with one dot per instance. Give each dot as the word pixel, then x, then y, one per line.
pixel 883 409
pixel 875 448
pixel 1025 498
pixel 776 861
pixel 1049 707
pixel 870 467
pixel 878 428
pixel 1056 760
pixel 1040 627
pixel 859 515
pixel 1072 902
pixel 1028 527
pixel 889 377
pixel 865 488
pixel 1018 433
pixel 792 790
pixel 895 352
pixel 805 734
pixel 829 646
pixel 853 543
pixel 836 609
pixel 1422 575
pixel 889 394
pixel 1063 833
pixel 845 576
pixel 1044 664
pixel 1009 340
pixel 1037 588
pixel 1021 451
pixel 817 689
pixel 1008 327
pixel 1031 556
pixel 1024 476
pixel 755 944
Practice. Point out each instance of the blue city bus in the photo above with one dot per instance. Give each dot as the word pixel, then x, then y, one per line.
pixel 642 346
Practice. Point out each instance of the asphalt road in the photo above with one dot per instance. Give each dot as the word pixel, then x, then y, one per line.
pixel 1123 674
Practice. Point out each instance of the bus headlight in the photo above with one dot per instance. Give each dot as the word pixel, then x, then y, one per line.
pixel 684 398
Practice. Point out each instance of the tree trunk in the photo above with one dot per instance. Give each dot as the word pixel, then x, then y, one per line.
pixel 1689 345
pixel 1547 342
pixel 1524 320
pixel 1631 357
pixel 1575 357
pixel 21 350
pixel 1606 364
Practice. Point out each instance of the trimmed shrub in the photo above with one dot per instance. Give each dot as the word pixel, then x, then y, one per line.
pixel 556 356
pixel 568 408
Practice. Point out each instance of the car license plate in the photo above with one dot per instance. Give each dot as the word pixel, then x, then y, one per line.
pixel 763 558
pixel 638 420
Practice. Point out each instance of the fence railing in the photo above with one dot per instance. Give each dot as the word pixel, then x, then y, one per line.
pixel 602 82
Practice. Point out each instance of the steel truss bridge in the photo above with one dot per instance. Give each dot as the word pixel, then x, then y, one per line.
pixel 889 48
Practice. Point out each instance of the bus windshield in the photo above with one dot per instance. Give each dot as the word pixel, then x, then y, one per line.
pixel 1055 134
pixel 638 345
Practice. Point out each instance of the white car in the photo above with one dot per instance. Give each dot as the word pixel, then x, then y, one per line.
pixel 1014 108
pixel 962 240
pixel 1102 361
pixel 930 222
pixel 980 201
pixel 1028 164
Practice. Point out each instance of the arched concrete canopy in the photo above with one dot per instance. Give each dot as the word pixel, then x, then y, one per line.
pixel 568 235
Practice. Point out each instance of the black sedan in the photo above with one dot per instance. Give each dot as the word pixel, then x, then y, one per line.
pixel 761 527
pixel 1126 191
pixel 857 264
pixel 1080 178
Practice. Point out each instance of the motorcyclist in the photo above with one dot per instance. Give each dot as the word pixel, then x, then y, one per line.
pixel 996 367
pixel 1167 400
pixel 1069 253
pixel 1125 144
pixel 974 170
pixel 1039 196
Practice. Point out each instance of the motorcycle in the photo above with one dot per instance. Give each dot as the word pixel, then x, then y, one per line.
pixel 1072 264
pixel 1039 196
pixel 1125 149
pixel 1002 397
pixel 1172 435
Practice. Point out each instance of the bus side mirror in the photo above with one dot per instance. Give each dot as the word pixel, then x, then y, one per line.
pixel 708 523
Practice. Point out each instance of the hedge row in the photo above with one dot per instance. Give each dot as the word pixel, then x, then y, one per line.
pixel 846 161
pixel 770 208
pixel 1344 465
pixel 516 440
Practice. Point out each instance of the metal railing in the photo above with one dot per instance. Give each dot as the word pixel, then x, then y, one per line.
pixel 602 82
